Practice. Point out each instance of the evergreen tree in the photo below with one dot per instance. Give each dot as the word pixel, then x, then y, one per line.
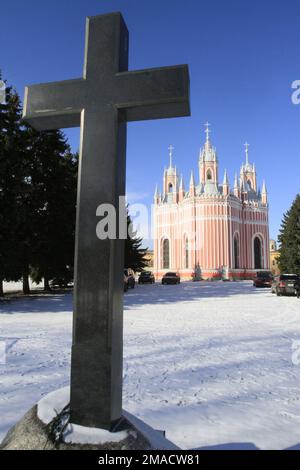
pixel 53 182
pixel 38 180
pixel 37 200
pixel 12 163
pixel 289 239
pixel 134 254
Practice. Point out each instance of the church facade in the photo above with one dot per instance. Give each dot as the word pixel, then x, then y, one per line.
pixel 211 230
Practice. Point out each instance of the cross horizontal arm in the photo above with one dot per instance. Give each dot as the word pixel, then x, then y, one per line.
pixel 54 105
pixel 154 93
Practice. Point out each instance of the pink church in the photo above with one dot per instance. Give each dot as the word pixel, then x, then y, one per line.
pixel 211 230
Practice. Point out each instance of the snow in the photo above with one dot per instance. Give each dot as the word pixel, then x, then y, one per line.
pixel 10 287
pixel 210 363
pixel 53 403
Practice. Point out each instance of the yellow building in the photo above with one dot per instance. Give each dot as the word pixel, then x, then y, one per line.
pixel 274 255
pixel 149 258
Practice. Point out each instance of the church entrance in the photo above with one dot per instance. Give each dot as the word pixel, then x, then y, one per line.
pixel 236 252
pixel 166 254
pixel 257 253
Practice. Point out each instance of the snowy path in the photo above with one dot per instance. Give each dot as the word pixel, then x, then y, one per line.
pixel 211 363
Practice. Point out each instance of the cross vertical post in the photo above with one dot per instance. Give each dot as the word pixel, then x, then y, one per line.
pixel 101 103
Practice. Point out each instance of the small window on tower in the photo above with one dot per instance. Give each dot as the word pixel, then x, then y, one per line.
pixel 208 175
pixel 170 188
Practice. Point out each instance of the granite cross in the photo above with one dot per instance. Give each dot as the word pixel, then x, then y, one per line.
pixel 101 103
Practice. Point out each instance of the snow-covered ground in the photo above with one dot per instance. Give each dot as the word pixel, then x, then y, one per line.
pixel 9 287
pixel 210 362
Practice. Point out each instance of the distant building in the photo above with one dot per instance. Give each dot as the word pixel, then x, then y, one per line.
pixel 149 257
pixel 274 255
pixel 210 227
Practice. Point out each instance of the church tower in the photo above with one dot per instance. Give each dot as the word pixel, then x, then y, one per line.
pixel 208 166
pixel 170 181
pixel 248 173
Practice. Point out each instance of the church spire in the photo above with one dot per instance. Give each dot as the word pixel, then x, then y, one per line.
pixel 248 171
pixel 225 184
pixel 181 192
pixel 236 186
pixel 156 195
pixel 181 186
pixel 208 153
pixel 192 179
pixel 225 179
pixel 264 194
pixel 170 179
pixel 192 188
pixel 236 181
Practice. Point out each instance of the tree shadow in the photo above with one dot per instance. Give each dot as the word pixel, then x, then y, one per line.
pixel 52 303
pixel 187 291
pixel 142 295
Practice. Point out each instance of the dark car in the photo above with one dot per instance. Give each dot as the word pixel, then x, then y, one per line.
pixel 263 279
pixel 171 278
pixel 130 278
pixel 60 282
pixel 146 277
pixel 284 284
pixel 297 288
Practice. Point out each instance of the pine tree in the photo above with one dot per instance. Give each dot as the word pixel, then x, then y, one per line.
pixel 38 181
pixel 53 181
pixel 11 185
pixel 38 176
pixel 289 239
pixel 134 254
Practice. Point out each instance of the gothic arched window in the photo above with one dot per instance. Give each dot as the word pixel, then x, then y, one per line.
pixel 170 188
pixel 236 252
pixel 166 254
pixel 186 253
pixel 208 175
pixel 257 253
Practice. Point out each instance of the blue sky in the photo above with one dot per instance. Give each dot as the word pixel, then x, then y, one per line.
pixel 243 57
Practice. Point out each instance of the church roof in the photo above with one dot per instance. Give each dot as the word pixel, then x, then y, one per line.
pixel 211 189
pixel 244 187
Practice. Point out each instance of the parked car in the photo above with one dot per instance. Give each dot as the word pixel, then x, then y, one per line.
pixel 170 278
pixel 146 277
pixel 297 288
pixel 60 282
pixel 284 284
pixel 263 279
pixel 125 283
pixel 130 278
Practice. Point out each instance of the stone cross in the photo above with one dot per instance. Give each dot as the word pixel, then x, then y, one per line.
pixel 101 103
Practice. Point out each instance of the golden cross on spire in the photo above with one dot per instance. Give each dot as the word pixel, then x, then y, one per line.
pixel 170 148
pixel 247 151
pixel 207 131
